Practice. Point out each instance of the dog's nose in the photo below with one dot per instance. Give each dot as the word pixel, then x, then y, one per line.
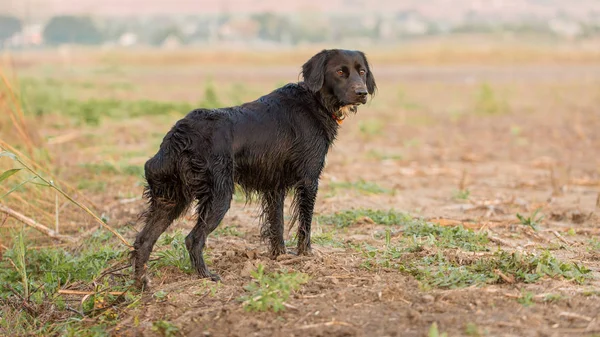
pixel 361 92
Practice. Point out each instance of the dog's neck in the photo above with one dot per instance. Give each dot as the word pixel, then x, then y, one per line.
pixel 337 111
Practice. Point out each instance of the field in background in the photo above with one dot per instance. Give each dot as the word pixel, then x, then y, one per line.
pixel 463 199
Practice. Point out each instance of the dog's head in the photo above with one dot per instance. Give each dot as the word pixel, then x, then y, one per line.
pixel 342 77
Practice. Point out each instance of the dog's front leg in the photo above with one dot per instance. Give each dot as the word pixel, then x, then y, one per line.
pixel 306 194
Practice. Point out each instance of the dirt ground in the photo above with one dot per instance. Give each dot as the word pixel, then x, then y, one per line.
pixel 422 138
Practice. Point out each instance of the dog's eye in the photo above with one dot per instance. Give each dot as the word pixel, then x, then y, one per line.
pixel 362 72
pixel 340 72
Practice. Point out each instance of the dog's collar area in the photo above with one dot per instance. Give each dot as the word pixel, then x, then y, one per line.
pixel 343 112
pixel 339 118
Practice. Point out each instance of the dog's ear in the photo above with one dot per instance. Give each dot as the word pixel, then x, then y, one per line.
pixel 371 86
pixel 313 71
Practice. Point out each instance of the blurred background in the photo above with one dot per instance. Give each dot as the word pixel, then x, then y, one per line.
pixel 27 24
pixel 486 118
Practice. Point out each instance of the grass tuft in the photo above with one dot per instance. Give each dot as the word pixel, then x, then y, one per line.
pixel 448 237
pixel 172 252
pixel 532 221
pixel 271 291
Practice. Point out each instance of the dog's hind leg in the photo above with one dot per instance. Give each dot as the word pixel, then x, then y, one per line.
pixel 306 194
pixel 214 200
pixel 158 217
pixel 273 228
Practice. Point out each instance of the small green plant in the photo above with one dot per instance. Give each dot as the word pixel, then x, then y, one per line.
pixel 553 297
pixel 516 130
pixel 526 299
pixel 173 253
pixel 532 221
pixel 435 332
pixel 270 291
pixel 210 101
pixel 462 194
pixel 160 295
pixel 165 328
pixel 472 330
pixel 487 102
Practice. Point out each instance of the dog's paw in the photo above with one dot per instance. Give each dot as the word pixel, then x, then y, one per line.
pixel 305 252
pixel 208 275
pixel 275 254
pixel 286 256
pixel 142 283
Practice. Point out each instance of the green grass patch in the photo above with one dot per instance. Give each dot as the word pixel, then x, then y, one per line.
pixel 442 271
pixel 371 128
pixel 172 252
pixel 471 329
pixel 377 155
pixel 54 267
pixel 526 299
pixel 165 328
pixel 92 111
pixel 227 231
pixel 210 100
pixel 269 291
pixel 324 239
pixel 435 332
pixel 100 168
pixel 31 278
pixel 91 185
pixel 54 97
pixel 361 186
pixel 448 237
pixel 438 257
pixel 462 194
pixel 594 245
pixel 349 217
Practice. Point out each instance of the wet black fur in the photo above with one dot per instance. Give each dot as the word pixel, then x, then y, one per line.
pixel 270 146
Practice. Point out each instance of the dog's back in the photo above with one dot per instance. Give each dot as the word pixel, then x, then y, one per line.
pixel 272 142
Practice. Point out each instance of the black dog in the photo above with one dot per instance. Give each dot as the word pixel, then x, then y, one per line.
pixel 269 146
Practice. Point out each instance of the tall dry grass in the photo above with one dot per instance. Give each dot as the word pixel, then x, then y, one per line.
pixel 32 195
